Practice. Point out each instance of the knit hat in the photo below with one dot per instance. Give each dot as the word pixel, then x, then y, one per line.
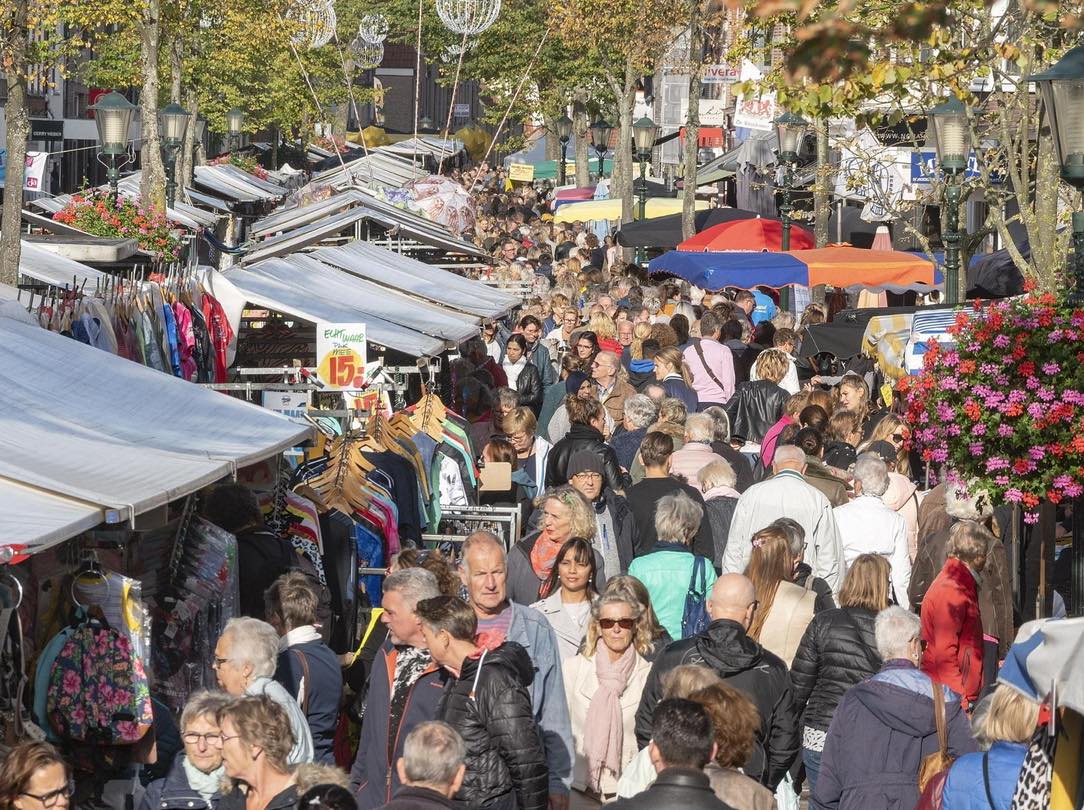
pixel 584 461
pixel 573 382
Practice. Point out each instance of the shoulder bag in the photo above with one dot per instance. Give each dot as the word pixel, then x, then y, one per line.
pixel 939 760
pixel 707 368
pixel 694 617
pixel 306 680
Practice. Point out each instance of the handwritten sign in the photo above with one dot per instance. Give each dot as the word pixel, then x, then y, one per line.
pixel 340 356
pixel 521 171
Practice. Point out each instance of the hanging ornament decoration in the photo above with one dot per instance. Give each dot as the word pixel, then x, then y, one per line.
pixel 468 17
pixel 313 23
pixel 367 55
pixel 450 54
pixel 373 28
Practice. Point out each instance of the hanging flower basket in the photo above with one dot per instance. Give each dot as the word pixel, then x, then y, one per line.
pixel 1004 408
pixel 97 213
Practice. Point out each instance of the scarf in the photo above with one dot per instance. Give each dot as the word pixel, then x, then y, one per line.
pixel 604 733
pixel 543 554
pixel 299 635
pixel 205 784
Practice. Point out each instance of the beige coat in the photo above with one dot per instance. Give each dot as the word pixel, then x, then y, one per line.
pixel 792 610
pixel 581 684
pixel 738 790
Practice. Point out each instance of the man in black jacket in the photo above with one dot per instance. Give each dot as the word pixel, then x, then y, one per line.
pixel 683 744
pixel 487 703
pixel 726 648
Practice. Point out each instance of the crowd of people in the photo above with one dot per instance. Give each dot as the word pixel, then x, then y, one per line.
pixel 730 587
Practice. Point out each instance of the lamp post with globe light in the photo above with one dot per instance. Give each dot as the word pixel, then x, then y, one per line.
pixel 172 124
pixel 790 130
pixel 951 133
pixel 564 132
pixel 113 118
pixel 600 140
pixel 644 133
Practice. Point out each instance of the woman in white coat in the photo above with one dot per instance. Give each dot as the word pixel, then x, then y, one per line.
pixel 603 685
pixel 571 587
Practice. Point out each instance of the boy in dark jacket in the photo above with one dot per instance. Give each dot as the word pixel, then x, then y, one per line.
pixel 487 703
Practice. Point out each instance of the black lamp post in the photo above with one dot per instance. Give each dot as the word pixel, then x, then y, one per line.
pixel 951 135
pixel 1062 88
pixel 172 125
pixel 113 118
pixel 644 133
pixel 564 132
pixel 790 130
pixel 600 140
pixel 235 120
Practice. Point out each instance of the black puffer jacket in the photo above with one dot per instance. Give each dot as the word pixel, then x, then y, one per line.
pixel 529 388
pixel 584 437
pixel 754 408
pixel 728 651
pixel 837 651
pixel 506 764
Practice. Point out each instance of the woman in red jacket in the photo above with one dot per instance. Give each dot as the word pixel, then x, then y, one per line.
pixel 951 625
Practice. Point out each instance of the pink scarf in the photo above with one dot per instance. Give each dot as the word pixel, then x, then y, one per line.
pixel 604 733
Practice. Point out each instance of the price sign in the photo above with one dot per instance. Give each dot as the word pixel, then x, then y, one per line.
pixel 340 356
pixel 520 172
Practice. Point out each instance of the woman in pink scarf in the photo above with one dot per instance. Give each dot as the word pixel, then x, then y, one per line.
pixel 603 685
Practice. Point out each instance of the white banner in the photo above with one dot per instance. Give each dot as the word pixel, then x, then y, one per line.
pixel 876 174
pixel 720 74
pixel 35 170
pixel 754 112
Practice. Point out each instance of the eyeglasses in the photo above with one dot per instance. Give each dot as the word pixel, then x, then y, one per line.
pixel 586 346
pixel 624 624
pixel 224 738
pixel 51 798
pixel 211 738
pixel 218 662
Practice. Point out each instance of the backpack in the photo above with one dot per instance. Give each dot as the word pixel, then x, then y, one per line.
pixel 98 691
pixel 694 619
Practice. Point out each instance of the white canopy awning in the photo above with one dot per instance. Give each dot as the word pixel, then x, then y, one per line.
pixel 83 423
pixel 420 279
pixel 37 519
pixel 52 268
pixel 322 293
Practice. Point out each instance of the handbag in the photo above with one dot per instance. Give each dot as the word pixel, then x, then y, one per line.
pixel 694 617
pixel 939 761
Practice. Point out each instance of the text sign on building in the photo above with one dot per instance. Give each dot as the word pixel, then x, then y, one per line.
pixel 340 356
pixel 720 74
pixel 46 131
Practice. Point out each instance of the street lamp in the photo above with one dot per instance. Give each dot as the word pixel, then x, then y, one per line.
pixel 951 134
pixel 600 140
pixel 564 132
pixel 1062 88
pixel 172 125
pixel 113 117
pixel 644 133
pixel 790 130
pixel 235 119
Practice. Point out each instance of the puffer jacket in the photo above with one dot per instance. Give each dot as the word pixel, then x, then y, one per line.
pixel 489 706
pixel 719 506
pixel 584 437
pixel 754 408
pixel 727 650
pixel 529 388
pixel 837 651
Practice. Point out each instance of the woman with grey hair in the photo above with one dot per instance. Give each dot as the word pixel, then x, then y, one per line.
pixel 245 659
pixel 194 778
pixel 717 480
pixel 886 725
pixel 640 413
pixel 670 571
pixel 720 445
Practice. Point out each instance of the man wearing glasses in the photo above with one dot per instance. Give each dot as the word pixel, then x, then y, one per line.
pixel 742 663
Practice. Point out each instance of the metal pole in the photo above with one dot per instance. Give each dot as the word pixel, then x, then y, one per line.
pixel 1076 298
pixel 601 164
pixel 951 240
pixel 641 194
pixel 564 158
pixel 785 210
pixel 171 173
pixel 112 175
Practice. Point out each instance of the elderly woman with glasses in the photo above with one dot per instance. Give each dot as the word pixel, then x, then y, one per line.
pixel 603 685
pixel 34 776
pixel 246 656
pixel 195 777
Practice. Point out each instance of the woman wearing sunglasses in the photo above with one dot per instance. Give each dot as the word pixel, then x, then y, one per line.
pixel 195 776
pixel 603 685
pixel 34 776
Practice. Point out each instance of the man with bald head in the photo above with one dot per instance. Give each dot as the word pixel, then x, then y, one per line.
pixel 787 494
pixel 483 570
pixel 742 663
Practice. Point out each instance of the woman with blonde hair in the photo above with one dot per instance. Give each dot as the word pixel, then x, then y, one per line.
pixel 784 609
pixel 640 333
pixel 673 372
pixel 634 589
pixel 606 332
pixel 603 685
pixel 838 650
pixel 757 405
pixel 892 429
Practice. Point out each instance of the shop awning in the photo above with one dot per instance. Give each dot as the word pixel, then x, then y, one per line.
pixel 52 268
pixel 376 170
pixel 234 185
pixel 79 422
pixel 325 294
pixel 417 278
pixel 37 519
pixel 610 210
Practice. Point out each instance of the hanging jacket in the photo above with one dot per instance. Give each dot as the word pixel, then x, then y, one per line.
pixel 837 651
pixel 488 704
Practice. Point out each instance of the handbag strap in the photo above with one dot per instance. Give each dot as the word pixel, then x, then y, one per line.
pixel 698 568
pixel 986 779
pixel 707 368
pixel 939 718
pixel 308 681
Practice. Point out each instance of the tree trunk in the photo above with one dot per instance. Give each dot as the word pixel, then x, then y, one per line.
pixel 822 188
pixel 621 183
pixel 153 180
pixel 1048 247
pixel 692 122
pixel 18 129
pixel 553 140
pixel 580 123
pixel 182 166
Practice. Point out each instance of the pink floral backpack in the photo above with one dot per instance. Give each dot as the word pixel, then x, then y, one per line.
pixel 98 691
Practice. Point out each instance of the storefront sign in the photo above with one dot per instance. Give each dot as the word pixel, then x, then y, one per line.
pixel 288 403
pixel 755 112
pixel 720 74
pixel 46 130
pixel 340 356
pixel 924 167
pixel 521 171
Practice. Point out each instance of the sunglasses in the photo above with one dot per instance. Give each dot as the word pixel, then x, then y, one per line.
pixel 900 437
pixel 624 624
